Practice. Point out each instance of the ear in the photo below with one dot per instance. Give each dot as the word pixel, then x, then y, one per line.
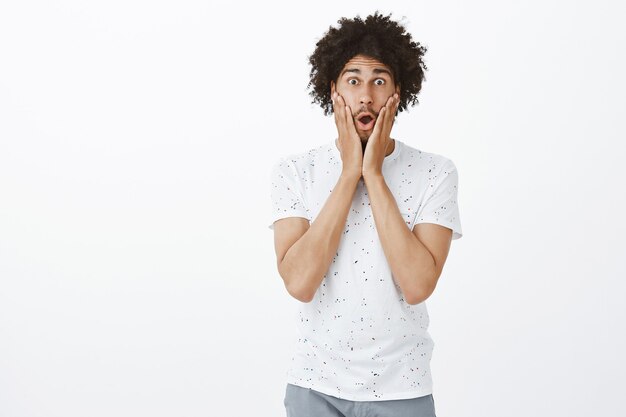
pixel 332 88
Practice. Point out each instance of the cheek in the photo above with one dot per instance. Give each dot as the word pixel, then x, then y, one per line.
pixel 345 93
pixel 382 98
pixel 348 97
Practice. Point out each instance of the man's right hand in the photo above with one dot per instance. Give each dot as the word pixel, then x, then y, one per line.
pixel 350 147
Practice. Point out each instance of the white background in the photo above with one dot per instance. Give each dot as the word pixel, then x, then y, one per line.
pixel 137 270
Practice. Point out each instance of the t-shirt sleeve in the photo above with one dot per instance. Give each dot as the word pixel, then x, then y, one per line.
pixel 441 206
pixel 287 201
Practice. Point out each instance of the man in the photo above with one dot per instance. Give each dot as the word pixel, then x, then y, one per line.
pixel 362 229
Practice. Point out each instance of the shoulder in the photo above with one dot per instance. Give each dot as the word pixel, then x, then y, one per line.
pixel 305 160
pixel 429 161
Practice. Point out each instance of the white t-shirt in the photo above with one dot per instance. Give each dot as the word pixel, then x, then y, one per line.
pixel 358 339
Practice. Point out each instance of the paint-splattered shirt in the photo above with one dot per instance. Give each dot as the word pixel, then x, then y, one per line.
pixel 358 339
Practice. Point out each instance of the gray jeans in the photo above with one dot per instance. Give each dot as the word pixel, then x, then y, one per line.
pixel 305 402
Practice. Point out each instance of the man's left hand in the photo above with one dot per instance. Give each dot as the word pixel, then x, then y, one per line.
pixel 379 140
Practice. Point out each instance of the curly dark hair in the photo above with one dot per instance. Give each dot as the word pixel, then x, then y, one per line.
pixel 377 37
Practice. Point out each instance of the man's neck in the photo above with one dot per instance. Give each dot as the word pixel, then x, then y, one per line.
pixel 390 147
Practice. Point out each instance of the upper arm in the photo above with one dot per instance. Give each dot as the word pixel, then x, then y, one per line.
pixel 437 240
pixel 287 231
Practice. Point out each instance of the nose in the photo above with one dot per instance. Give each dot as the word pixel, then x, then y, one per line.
pixel 366 97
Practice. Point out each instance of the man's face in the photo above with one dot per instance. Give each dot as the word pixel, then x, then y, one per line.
pixel 365 84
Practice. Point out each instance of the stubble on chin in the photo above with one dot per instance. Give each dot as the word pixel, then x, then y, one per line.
pixel 364 144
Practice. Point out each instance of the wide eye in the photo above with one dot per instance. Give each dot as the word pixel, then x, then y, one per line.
pixel 379 81
pixel 350 81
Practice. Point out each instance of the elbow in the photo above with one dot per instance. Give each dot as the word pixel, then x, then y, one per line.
pixel 414 298
pixel 419 295
pixel 300 294
pixel 296 288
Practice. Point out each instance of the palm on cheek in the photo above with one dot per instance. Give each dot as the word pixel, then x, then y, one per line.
pixel 349 141
pixel 379 140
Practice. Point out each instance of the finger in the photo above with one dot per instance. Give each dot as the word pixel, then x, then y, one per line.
pixel 380 121
pixel 383 121
pixel 397 106
pixel 391 108
pixel 350 121
pixel 340 114
pixel 336 106
pixel 388 104
pixel 341 107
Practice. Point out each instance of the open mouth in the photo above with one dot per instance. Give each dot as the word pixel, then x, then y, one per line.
pixel 365 121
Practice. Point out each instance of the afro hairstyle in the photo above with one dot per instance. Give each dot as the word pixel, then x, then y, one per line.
pixel 377 37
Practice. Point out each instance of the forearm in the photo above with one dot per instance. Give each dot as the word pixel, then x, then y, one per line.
pixel 306 262
pixel 412 265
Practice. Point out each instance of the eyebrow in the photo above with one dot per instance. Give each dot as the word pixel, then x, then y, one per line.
pixel 358 71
